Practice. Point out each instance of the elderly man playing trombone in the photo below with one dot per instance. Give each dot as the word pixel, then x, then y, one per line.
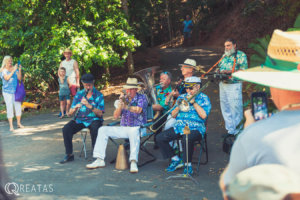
pixel 194 116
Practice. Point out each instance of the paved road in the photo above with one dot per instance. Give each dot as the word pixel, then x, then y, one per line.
pixel 31 156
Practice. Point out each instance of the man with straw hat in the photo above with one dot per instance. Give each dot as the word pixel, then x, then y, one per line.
pixel 132 107
pixel 275 140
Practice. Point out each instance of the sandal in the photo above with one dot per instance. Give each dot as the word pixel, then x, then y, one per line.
pixel 20 126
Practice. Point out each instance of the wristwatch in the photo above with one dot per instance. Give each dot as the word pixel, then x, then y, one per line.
pixel 92 108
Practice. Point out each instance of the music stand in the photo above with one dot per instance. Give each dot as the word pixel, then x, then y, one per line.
pixel 186 132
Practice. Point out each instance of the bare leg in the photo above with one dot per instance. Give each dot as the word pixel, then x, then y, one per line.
pixel 11 126
pixel 68 106
pixel 19 122
pixel 62 107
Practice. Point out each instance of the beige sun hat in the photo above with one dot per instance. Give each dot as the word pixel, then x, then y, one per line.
pixel 189 62
pixel 67 50
pixel 267 181
pixel 131 83
pixel 282 66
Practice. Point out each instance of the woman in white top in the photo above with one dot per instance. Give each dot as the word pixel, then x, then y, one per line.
pixel 72 71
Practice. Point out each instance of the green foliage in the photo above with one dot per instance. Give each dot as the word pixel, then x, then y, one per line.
pixel 260 47
pixel 36 32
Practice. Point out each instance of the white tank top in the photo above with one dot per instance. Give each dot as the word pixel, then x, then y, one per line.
pixel 69 65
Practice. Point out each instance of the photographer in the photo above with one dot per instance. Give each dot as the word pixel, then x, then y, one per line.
pixel 275 140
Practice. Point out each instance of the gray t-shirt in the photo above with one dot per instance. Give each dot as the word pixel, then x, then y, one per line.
pixel 275 140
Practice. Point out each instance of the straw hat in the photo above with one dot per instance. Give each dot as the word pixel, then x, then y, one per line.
pixel 131 83
pixel 267 181
pixel 67 50
pixel 282 66
pixel 189 62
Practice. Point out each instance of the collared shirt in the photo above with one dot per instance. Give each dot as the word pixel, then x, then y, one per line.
pixel 227 63
pixel 86 115
pixel 9 86
pixel 192 118
pixel 134 119
pixel 161 95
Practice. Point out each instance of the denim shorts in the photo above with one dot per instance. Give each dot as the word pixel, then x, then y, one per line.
pixel 64 97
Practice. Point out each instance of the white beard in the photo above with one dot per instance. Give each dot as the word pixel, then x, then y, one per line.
pixel 229 52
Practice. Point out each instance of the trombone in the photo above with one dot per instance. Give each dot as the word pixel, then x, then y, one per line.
pixel 183 106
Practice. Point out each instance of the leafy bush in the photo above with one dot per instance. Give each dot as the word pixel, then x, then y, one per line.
pixel 36 32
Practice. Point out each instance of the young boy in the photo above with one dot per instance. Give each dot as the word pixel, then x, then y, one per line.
pixel 64 91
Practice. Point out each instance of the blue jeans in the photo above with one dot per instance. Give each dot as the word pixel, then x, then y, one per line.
pixel 231 105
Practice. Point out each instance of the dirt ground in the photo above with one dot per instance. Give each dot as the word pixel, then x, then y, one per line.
pixel 31 155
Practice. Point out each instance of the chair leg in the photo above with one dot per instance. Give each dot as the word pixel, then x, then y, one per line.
pixel 83 138
pixel 203 148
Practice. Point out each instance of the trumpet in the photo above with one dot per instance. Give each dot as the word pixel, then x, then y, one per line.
pixel 182 104
pixel 123 98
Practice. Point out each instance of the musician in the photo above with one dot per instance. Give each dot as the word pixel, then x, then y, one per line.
pixel 194 118
pixel 187 70
pixel 88 107
pixel 163 90
pixel 133 111
pixel 231 90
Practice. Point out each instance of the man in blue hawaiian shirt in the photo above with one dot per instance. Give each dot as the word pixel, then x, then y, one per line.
pixel 231 90
pixel 88 106
pixel 187 30
pixel 194 118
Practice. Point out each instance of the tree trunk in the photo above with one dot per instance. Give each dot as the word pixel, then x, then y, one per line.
pixel 130 63
pixel 168 20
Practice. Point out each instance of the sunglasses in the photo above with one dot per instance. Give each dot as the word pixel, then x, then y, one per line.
pixel 189 88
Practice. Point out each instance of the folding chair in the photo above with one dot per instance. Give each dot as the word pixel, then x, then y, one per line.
pixel 83 134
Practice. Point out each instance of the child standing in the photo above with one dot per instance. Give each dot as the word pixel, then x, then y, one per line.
pixel 64 91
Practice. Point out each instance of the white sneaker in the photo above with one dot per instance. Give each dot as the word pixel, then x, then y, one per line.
pixel 133 167
pixel 96 164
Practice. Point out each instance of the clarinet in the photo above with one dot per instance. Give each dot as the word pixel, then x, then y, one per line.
pixel 77 111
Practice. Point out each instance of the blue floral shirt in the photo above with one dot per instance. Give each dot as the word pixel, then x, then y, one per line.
pixel 227 63
pixel 85 115
pixel 161 95
pixel 9 86
pixel 191 118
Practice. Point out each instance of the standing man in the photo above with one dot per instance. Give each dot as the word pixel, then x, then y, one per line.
pixel 88 106
pixel 194 118
pixel 72 71
pixel 275 140
pixel 133 111
pixel 231 90
pixel 187 30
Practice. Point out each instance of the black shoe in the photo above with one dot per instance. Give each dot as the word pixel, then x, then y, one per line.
pixel 67 158
pixel 155 146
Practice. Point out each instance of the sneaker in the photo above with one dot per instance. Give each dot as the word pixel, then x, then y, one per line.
pixel 175 165
pixel 133 167
pixel 96 164
pixel 188 170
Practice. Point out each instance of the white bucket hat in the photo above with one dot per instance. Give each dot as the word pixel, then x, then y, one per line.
pixel 266 181
pixel 282 66
pixel 189 62
pixel 131 83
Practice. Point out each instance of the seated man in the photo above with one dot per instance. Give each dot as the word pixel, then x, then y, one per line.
pixel 194 118
pixel 163 91
pixel 133 111
pixel 88 106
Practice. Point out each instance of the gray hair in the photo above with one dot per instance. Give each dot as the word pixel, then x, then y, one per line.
pixel 167 73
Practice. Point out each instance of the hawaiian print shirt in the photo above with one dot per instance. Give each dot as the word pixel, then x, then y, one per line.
pixel 227 63
pixel 191 118
pixel 133 119
pixel 85 115
pixel 161 95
